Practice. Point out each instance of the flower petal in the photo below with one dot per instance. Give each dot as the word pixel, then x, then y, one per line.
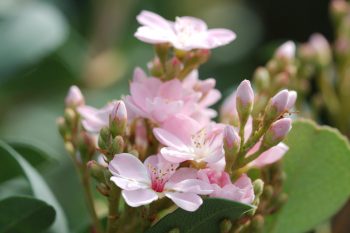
pixel 129 167
pixel 219 37
pixel 135 198
pixel 183 173
pixel 186 201
pixel 128 184
pixel 168 139
pixel 175 156
pixel 270 156
pixel 191 186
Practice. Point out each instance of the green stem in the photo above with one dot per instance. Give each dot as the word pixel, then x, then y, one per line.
pixel 113 214
pixel 85 179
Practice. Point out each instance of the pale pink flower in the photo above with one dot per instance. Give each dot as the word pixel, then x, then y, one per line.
pixel 156 100
pixel 143 183
pixel 208 96
pixel 94 119
pixel 185 139
pixel 186 33
pixel 241 191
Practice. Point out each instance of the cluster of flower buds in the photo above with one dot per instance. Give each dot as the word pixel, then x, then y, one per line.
pixel 161 142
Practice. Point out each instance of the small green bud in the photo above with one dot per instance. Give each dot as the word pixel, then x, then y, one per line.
pixel 86 146
pixel 69 117
pixel 117 145
pixel 96 171
pixel 262 78
pixel 225 226
pixel 69 148
pixel 258 187
pixel 104 138
pixel 257 224
pixel 174 230
pixel 62 127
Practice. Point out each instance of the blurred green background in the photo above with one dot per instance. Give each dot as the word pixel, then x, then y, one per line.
pixel 46 46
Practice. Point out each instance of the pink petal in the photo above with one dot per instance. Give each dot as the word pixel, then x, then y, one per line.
pixel 183 173
pixel 128 184
pixel 182 127
pixel 129 167
pixel 270 156
pixel 168 139
pixel 186 201
pixel 135 198
pixel 152 20
pixel 171 90
pixel 191 186
pixel 219 37
pixel 175 156
pixel 211 98
pixel 152 35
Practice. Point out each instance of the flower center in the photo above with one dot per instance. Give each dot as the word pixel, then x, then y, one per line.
pixel 200 144
pixel 186 30
pixel 160 176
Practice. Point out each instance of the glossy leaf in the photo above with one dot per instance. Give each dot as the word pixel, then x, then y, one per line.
pixel 318 174
pixel 25 215
pixel 39 186
pixel 206 219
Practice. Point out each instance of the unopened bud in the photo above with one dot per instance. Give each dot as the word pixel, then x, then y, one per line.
pixel 262 78
pixel 257 224
pixel 74 98
pixel 292 97
pixel 244 101
pixel 339 9
pixel 321 48
pixel 286 51
pixel 276 107
pixel 70 116
pixel 276 133
pixel 268 192
pixel 231 146
pixel 225 226
pixel 117 145
pixel 69 148
pixel 118 119
pixel 162 52
pixel 155 68
pixel 174 230
pixel 86 145
pixel 104 138
pixel 173 68
pixel 62 127
pixel 258 187
pixel 280 201
pixel 231 139
pixel 96 171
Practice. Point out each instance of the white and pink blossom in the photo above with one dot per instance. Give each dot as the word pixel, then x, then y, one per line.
pixel 186 33
pixel 143 183
pixel 185 139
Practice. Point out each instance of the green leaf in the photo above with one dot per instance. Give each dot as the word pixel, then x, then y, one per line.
pixel 206 219
pixel 318 174
pixel 35 156
pixel 39 187
pixel 25 215
pixel 28 33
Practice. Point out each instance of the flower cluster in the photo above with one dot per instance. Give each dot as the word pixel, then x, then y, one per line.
pixel 161 141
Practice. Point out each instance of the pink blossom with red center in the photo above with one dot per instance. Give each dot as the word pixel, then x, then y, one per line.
pixel 143 183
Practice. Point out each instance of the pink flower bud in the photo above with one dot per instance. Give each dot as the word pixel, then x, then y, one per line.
pixel 74 97
pixel 280 128
pixel 118 119
pixel 322 48
pixel 280 100
pixel 286 51
pixel 231 138
pixel 292 97
pixel 119 111
pixel 276 133
pixel 245 94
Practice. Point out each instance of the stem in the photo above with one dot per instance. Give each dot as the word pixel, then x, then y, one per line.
pixel 113 215
pixel 85 179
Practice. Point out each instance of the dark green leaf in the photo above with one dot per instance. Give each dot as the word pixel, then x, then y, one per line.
pixel 39 186
pixel 206 219
pixel 318 174
pixel 25 215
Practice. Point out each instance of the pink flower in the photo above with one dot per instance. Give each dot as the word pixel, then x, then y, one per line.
pixel 286 51
pixel 186 33
pixel 156 178
pixel 241 191
pixel 185 139
pixel 94 119
pixel 156 100
pixel 208 96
